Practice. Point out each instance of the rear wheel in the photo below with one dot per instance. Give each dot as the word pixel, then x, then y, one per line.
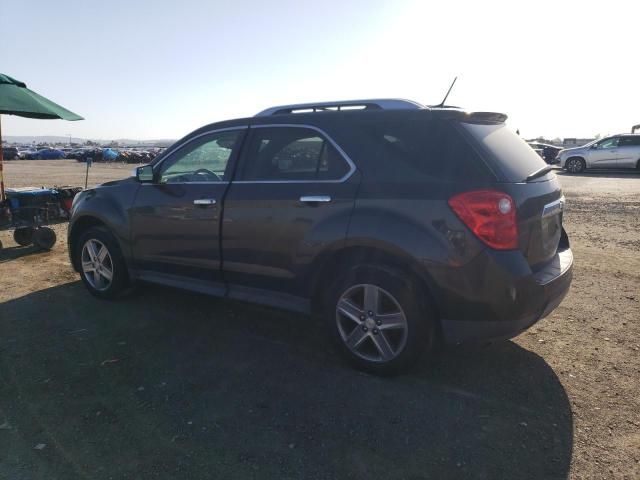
pixel 44 238
pixel 101 263
pixel 23 236
pixel 575 165
pixel 376 317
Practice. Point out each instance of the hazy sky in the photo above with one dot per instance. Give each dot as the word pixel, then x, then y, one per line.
pixel 159 69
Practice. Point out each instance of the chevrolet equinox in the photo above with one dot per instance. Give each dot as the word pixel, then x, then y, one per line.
pixel 403 226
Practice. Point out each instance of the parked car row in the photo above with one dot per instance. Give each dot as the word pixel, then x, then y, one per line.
pixel 43 153
pixel 96 154
pixel 112 155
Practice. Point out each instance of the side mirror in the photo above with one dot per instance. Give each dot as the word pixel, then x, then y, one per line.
pixel 144 174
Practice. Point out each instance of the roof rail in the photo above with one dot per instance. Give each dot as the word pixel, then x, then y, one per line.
pixel 372 104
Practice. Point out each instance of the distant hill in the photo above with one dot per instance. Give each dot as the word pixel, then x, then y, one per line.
pixel 53 139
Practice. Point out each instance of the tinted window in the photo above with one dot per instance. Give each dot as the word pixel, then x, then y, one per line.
pixel 291 153
pixel 515 159
pixel 204 159
pixel 411 146
pixel 631 141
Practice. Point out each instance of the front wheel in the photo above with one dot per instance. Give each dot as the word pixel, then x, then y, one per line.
pixel 575 165
pixel 101 263
pixel 377 318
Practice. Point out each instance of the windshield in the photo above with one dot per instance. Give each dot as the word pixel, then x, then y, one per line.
pixel 515 159
pixel 590 143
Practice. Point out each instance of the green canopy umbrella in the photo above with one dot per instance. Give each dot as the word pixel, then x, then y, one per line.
pixel 17 99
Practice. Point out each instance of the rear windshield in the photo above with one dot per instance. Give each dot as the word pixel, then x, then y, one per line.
pixel 407 147
pixel 515 159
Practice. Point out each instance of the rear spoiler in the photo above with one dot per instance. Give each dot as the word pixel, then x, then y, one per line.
pixel 471 117
pixel 485 117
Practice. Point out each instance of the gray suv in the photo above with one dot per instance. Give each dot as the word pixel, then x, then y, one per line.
pixel 618 151
pixel 401 226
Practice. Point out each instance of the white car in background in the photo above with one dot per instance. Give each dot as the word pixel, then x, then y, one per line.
pixel 618 151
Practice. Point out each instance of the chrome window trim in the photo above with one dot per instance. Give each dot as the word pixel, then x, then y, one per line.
pixel 177 147
pixel 343 154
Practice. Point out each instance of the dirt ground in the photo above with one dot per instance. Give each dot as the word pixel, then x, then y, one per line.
pixel 167 384
pixel 30 173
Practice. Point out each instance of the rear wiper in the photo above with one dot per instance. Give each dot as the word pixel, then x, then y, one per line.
pixel 539 173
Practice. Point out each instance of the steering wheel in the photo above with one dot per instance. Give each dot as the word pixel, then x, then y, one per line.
pixel 207 173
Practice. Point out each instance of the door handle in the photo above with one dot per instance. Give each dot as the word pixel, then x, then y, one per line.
pixel 315 199
pixel 204 201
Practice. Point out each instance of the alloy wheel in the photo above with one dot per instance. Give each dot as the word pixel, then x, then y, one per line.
pixel 574 165
pixel 97 264
pixel 371 323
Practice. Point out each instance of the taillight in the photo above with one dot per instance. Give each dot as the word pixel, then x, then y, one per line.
pixel 490 215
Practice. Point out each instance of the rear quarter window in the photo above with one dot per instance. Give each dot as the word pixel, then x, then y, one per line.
pixel 512 156
pixel 415 148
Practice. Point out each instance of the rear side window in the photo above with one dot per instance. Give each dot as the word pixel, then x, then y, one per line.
pixel 291 154
pixel 434 148
pixel 630 141
pixel 513 156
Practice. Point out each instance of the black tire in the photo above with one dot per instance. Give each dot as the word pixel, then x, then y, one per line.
pixel 120 275
pixel 420 319
pixel 44 238
pixel 580 165
pixel 23 236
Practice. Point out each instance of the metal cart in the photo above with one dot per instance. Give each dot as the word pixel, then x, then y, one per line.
pixel 30 212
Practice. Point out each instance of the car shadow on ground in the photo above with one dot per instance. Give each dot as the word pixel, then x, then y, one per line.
pixel 176 385
pixel 11 253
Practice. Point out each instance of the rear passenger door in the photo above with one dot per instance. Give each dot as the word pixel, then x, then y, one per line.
pixel 629 151
pixel 291 197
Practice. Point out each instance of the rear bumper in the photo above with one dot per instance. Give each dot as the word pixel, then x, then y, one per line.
pixel 510 305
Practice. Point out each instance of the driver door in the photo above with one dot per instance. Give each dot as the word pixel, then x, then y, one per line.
pixel 175 220
pixel 604 154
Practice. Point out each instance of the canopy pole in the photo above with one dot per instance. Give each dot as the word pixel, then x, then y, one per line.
pixel 1 159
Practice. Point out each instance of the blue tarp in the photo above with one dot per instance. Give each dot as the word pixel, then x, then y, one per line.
pixel 109 154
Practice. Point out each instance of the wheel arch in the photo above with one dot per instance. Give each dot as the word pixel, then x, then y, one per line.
pixel 78 227
pixel 388 258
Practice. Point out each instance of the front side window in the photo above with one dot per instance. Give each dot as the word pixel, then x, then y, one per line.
pixel 204 159
pixel 607 143
pixel 291 154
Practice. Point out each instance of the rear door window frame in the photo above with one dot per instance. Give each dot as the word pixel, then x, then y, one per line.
pixel 341 153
